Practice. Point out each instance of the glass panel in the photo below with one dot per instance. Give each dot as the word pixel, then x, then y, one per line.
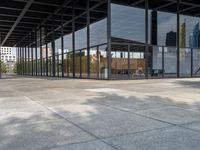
pixel 70 64
pixel 43 60
pixel 185 62
pixel 77 63
pixel 189 32
pixel 57 65
pixel 156 63
pixel 44 66
pixel 127 24
pixel 33 60
pixel 58 51
pixel 103 66
pixel 49 54
pixel 167 28
pixel 98 25
pixel 196 62
pixel 50 66
pixel 119 61
pixel 81 34
pixel 68 50
pixel 137 61
pixel 170 61
pixel 84 63
pixel 98 32
pixel 93 62
pixel 65 65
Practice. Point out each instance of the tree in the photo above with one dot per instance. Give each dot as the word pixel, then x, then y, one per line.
pixel 4 68
pixel 15 67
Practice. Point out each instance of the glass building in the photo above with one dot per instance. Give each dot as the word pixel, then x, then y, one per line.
pixel 113 39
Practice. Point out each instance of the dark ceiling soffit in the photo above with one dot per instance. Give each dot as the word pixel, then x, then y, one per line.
pixel 65 3
pixel 67 22
pixel 27 6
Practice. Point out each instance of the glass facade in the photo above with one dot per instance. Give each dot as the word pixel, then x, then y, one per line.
pixel 116 39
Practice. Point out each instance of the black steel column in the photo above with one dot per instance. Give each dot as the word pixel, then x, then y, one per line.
pixel 73 37
pixel 20 62
pixel 47 57
pixel 32 59
pixel 28 60
pixel 154 28
pixel 22 59
pixel 81 64
pixel 109 38
pixel 17 56
pixel 36 67
pixel 88 39
pixel 129 72
pixel 163 62
pixel 177 38
pixel 25 59
pixel 41 57
pixel 53 55
pixel 62 44
pixel 146 39
pixel 192 62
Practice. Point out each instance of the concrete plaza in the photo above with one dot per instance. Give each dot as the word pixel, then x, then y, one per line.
pixel 73 114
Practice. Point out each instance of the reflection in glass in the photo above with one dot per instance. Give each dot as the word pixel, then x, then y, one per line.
pixel 119 61
pixel 185 62
pixel 189 32
pixel 102 59
pixel 98 32
pixel 156 65
pixel 167 28
pixel 170 59
pixel 84 63
pixel 93 62
pixel 137 61
pixel 127 23
pixel 196 62
pixel 77 64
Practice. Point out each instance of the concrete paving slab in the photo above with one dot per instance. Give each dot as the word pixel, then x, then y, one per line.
pixel 174 115
pixel 82 110
pixel 41 136
pixel 34 114
pixel 173 138
pixel 19 104
pixel 13 118
pixel 116 124
pixel 193 126
pixel 93 145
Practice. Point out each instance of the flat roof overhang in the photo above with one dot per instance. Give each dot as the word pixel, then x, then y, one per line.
pixel 21 19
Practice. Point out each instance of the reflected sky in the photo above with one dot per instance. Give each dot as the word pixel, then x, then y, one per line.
pixel 129 23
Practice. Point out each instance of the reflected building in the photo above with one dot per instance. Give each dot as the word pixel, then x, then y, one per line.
pixel 171 39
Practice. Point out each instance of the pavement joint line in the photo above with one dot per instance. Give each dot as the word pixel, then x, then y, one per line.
pixel 134 133
pixel 63 145
pixel 177 125
pixel 102 139
pixel 86 131
pixel 35 123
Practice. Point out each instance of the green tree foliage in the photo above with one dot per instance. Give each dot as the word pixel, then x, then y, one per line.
pixel 4 68
pixel 15 67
